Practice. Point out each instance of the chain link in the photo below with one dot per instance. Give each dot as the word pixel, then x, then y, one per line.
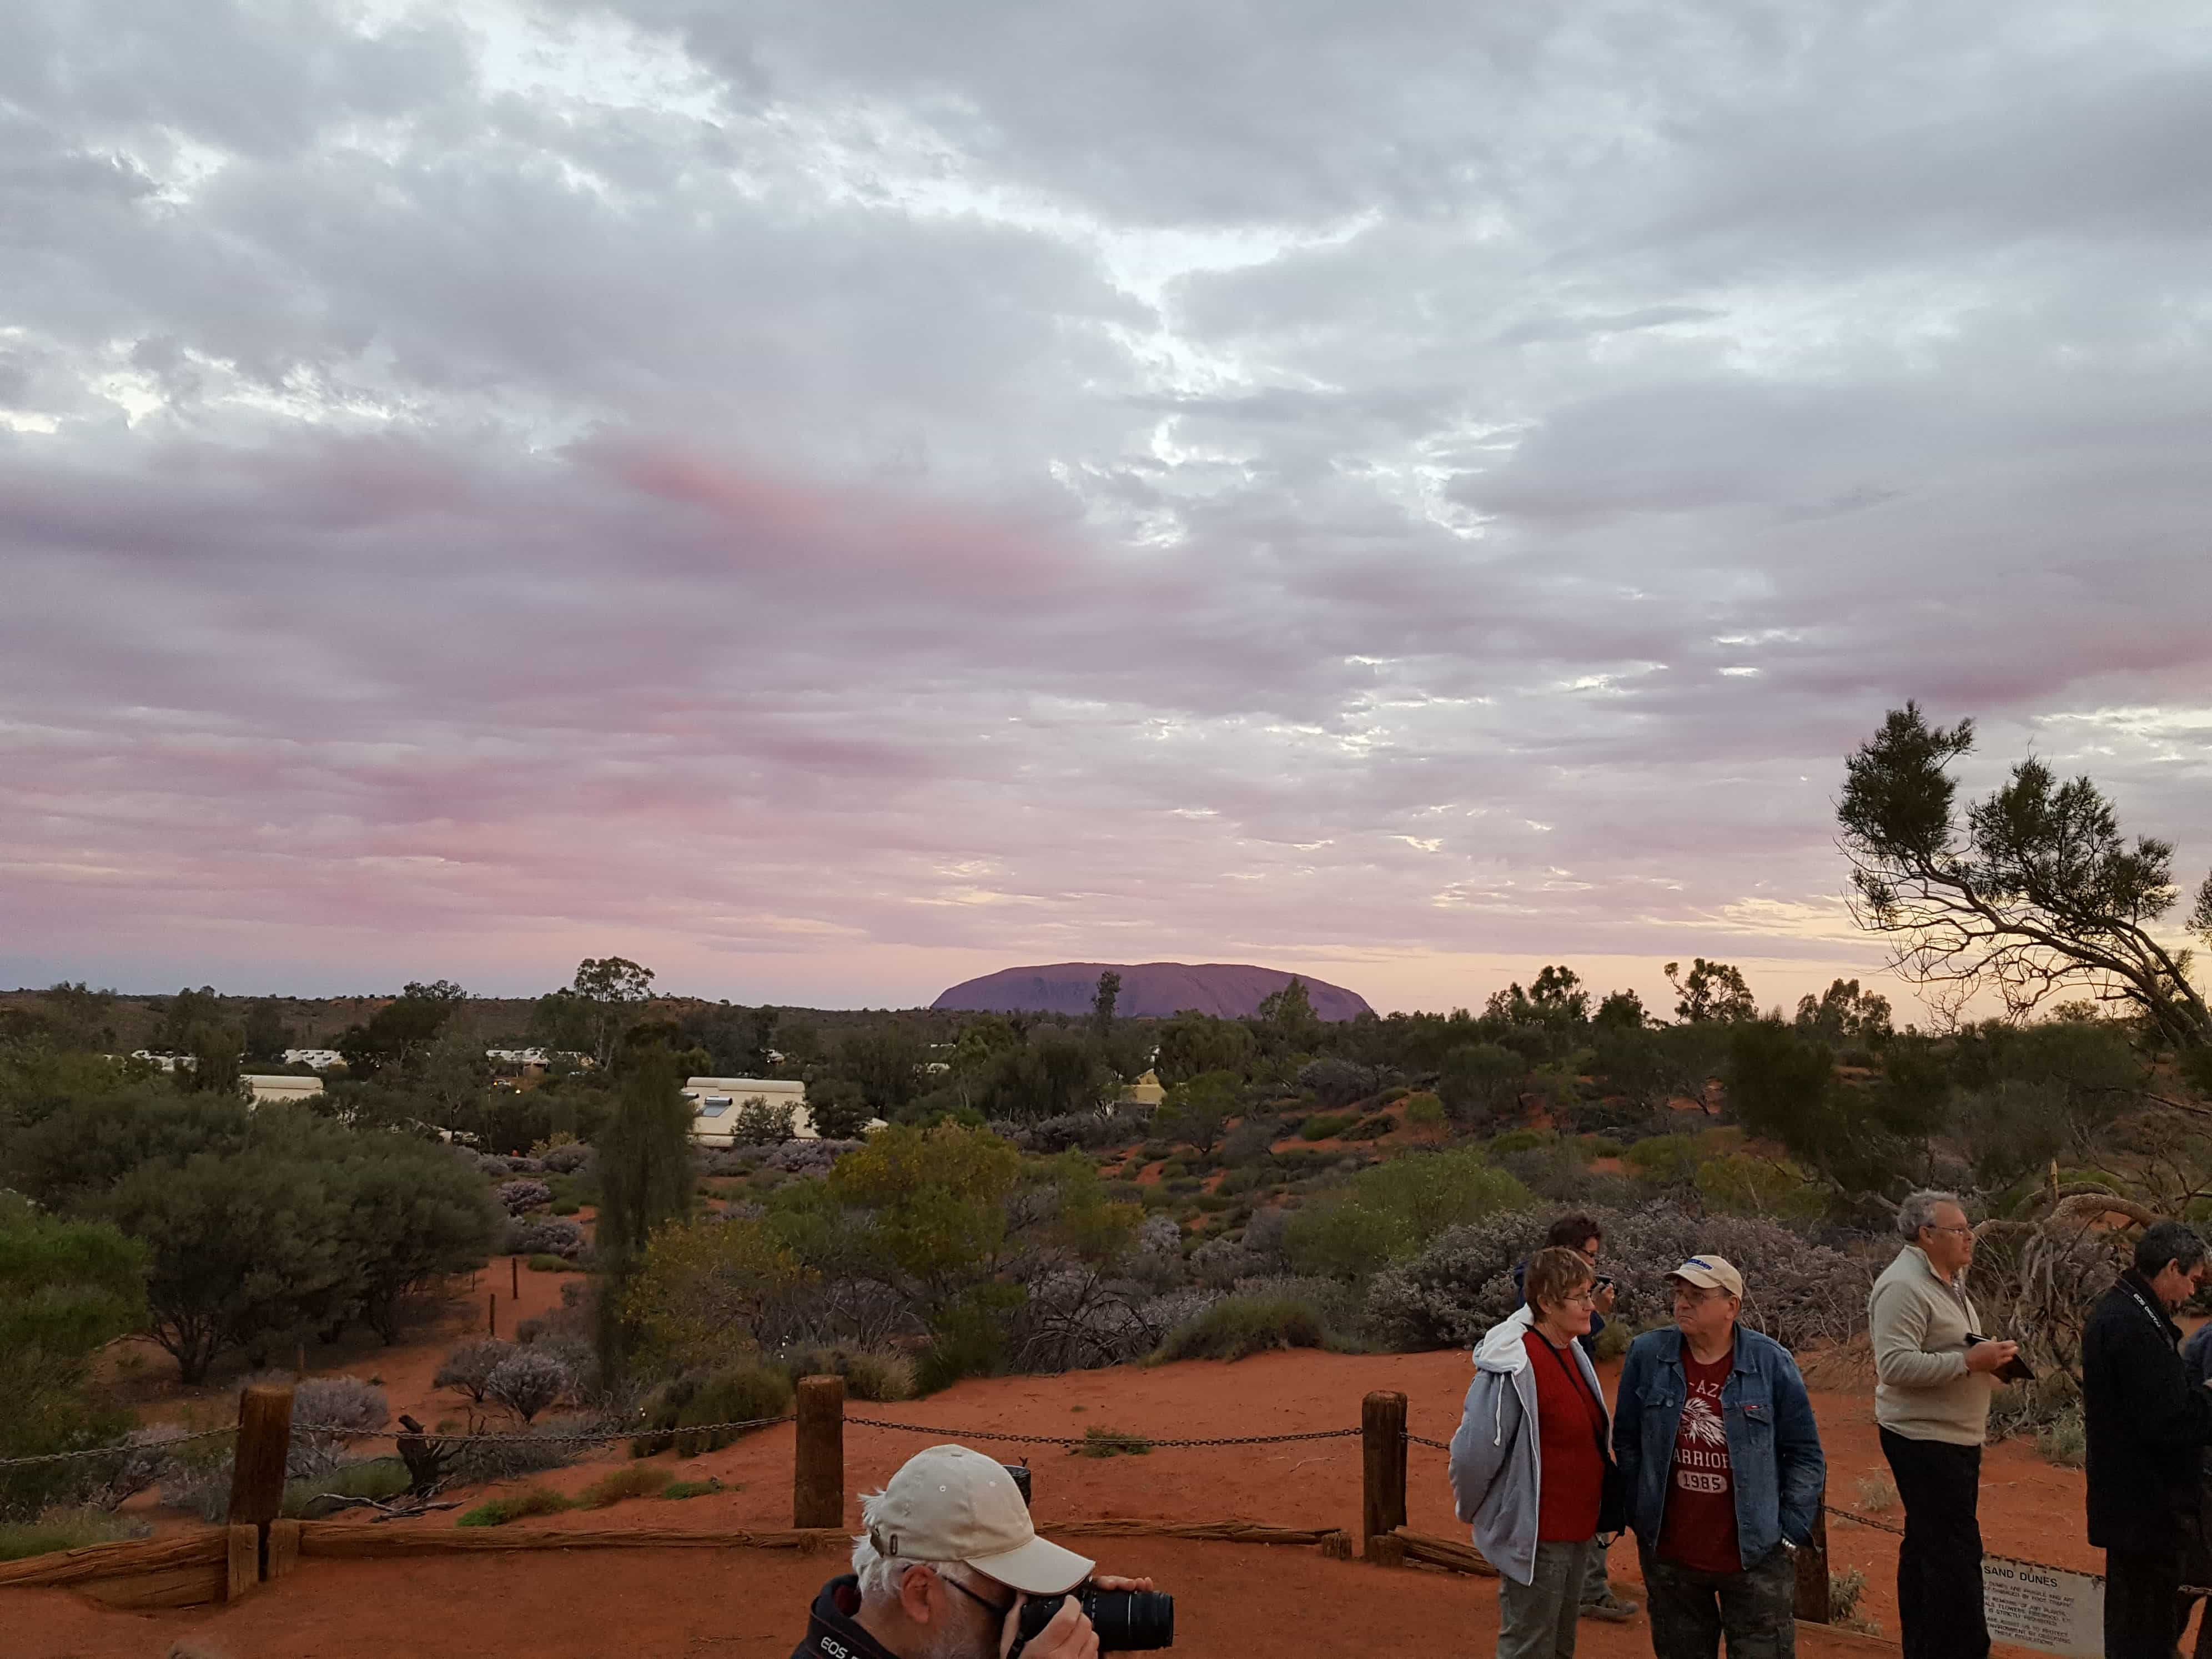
pixel 519 1437
pixel 1423 1440
pixel 1075 1440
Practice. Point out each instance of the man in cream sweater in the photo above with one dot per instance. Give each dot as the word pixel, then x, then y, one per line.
pixel 1932 1401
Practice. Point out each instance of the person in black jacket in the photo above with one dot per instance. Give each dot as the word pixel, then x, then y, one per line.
pixel 2145 1425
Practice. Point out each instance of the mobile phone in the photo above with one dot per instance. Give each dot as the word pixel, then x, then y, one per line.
pixel 2015 1370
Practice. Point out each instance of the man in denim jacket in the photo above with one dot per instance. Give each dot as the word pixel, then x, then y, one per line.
pixel 1716 1438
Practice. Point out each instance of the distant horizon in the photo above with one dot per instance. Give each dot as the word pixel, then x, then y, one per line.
pixel 1657 996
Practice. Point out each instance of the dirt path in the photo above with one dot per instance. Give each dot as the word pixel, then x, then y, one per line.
pixel 743 1603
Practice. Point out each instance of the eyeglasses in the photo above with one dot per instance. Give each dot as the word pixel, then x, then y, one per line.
pixel 1963 1232
pixel 1588 1299
pixel 991 1608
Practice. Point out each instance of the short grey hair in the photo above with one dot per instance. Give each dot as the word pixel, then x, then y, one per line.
pixel 881 1575
pixel 1918 1211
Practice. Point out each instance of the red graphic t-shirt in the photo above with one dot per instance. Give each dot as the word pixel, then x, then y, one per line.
pixel 1699 1528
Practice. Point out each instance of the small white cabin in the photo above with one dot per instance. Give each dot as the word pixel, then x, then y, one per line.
pixel 715 1101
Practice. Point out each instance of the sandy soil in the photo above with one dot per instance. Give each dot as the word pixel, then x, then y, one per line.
pixel 681 1602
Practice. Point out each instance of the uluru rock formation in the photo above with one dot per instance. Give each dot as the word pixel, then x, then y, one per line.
pixel 1150 990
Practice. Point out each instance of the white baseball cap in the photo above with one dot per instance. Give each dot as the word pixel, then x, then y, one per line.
pixel 948 1503
pixel 1710 1273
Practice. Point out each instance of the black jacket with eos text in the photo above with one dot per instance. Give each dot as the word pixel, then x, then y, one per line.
pixel 832 1632
pixel 2144 1422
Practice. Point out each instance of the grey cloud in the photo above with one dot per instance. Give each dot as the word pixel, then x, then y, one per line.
pixel 452 524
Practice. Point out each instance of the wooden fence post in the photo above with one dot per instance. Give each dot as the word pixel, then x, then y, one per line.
pixel 514 1277
pixel 817 1484
pixel 1383 1447
pixel 491 1315
pixel 256 1480
pixel 1813 1569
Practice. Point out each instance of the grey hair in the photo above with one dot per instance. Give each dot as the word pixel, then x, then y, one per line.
pixel 1918 1211
pixel 881 1575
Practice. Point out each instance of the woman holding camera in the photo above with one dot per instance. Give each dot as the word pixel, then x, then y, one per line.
pixel 1531 1467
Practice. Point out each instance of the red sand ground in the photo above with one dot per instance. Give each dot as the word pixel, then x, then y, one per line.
pixel 733 1603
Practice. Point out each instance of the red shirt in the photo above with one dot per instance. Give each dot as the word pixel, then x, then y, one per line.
pixel 1700 1528
pixel 1568 1420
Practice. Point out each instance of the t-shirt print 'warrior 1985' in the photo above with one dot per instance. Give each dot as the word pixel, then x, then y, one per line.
pixel 1699 1528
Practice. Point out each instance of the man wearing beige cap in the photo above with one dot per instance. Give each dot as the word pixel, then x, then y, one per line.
pixel 1716 1440
pixel 948 1558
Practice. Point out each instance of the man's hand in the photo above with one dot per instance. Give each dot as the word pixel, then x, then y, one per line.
pixel 1990 1356
pixel 1602 1303
pixel 1069 1636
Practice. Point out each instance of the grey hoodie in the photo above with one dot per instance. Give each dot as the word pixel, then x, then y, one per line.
pixel 1497 1466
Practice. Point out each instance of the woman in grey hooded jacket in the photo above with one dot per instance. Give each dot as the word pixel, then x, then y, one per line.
pixel 1535 1409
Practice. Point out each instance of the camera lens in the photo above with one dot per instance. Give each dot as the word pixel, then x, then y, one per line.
pixel 1129 1621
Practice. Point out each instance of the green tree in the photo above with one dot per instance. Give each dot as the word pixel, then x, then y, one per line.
pixel 77 1019
pixel 1844 1013
pixel 937 1197
pixel 1711 992
pixel 2031 890
pixel 215 1069
pixel 67 1289
pixel 1102 1004
pixel 612 990
pixel 706 1291
pixel 266 1037
pixel 246 1249
pixel 1481 1084
pixel 411 1218
pixel 1286 1023
pixel 1198 1110
pixel 837 1108
pixel 1620 1010
pixel 184 1018
pixel 394 1039
pixel 646 1181
pixel 1191 1043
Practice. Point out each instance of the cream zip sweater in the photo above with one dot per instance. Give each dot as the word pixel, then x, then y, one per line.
pixel 1923 1390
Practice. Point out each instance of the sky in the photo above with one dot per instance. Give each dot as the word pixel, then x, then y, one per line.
pixel 825 501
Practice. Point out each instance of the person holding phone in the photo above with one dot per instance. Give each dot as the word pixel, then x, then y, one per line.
pixel 1934 1373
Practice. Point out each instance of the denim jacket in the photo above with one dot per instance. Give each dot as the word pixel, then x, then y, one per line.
pixel 1774 1445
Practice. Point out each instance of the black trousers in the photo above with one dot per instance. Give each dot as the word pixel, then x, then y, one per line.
pixel 1939 1566
pixel 2143 1610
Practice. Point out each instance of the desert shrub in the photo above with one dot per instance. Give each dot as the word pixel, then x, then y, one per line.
pixel 1390 1210
pixel 1101 1442
pixel 1736 1184
pixel 67 1528
pixel 552 1264
pixel 2064 1440
pixel 681 1489
pixel 1461 1283
pixel 757 1122
pixel 674 1412
pixel 878 1376
pixel 1372 1128
pixel 1240 1325
pixel 1846 1590
pixel 547 1445
pixel 528 1380
pixel 329 1413
pixel 517 1196
pixel 1877 1495
pixel 1337 1082
pixel 520 1166
pixel 1083 1131
pixel 727 1161
pixel 538 1500
pixel 1322 1125
pixel 497 1168
pixel 1424 1112
pixel 382 1479
pixel 809 1157
pixel 541 1236
pixel 634 1480
pixel 66 1289
pixel 567 1158
pixel 469 1367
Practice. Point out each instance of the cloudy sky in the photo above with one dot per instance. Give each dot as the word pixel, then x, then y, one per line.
pixel 828 499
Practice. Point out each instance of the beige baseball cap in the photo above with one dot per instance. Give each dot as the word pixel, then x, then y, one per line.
pixel 1710 1273
pixel 948 1503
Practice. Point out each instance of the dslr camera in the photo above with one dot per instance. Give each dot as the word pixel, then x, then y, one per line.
pixel 1126 1620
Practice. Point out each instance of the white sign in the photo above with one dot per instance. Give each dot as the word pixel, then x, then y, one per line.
pixel 2046 1609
